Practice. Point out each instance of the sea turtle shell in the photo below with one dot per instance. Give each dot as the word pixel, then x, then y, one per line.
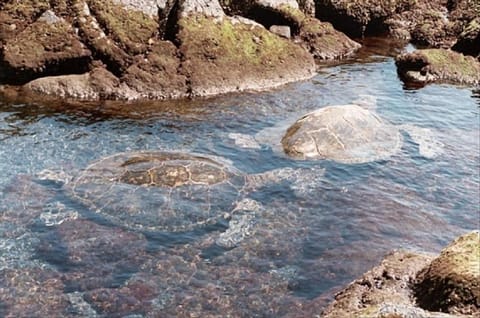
pixel 160 191
pixel 343 133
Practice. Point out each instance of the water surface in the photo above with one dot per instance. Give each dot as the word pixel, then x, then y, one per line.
pixel 312 234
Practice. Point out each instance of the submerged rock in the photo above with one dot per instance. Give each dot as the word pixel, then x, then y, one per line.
pixel 438 65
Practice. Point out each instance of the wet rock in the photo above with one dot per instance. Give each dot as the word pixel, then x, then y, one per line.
pixel 468 41
pixel 346 133
pixel 384 286
pixel 438 65
pixel 91 255
pixel 389 290
pixel 451 282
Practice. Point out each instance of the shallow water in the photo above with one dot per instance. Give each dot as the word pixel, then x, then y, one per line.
pixel 313 232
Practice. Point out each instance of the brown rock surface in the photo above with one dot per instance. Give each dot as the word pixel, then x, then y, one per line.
pixel 438 65
pixel 451 283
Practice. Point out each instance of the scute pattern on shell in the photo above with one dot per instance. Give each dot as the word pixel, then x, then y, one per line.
pixel 344 133
pixel 159 191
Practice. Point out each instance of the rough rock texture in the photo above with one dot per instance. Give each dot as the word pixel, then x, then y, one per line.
pixel 32 292
pixel 230 54
pixel 382 291
pixel 358 17
pixel 319 38
pixel 438 65
pixel 432 23
pixel 409 284
pixel 158 49
pixel 451 283
pixel 97 84
pixel 47 46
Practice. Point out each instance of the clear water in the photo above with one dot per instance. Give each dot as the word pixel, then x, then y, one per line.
pixel 311 236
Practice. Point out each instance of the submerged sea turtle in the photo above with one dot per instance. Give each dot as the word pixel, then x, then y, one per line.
pixel 170 191
pixel 344 133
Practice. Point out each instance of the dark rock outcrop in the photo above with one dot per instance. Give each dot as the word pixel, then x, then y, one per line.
pixel 451 283
pixel 438 65
pixel 430 23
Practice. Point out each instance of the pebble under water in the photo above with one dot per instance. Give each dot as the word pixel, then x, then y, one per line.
pixel 308 234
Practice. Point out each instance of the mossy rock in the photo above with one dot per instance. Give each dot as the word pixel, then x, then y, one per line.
pixel 438 65
pixel 225 55
pixel 324 42
pixel 104 48
pixel 131 29
pixel 155 76
pixel 451 283
pixel 15 16
pixel 45 49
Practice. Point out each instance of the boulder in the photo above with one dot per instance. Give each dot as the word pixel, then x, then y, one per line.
pixel 96 84
pixel 429 23
pixel 451 283
pixel 438 65
pixel 358 17
pixel 231 54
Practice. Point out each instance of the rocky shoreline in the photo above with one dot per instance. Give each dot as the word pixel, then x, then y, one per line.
pixel 154 49
pixel 408 284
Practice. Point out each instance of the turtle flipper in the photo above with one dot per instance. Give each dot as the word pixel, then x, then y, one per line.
pixel 428 145
pixel 241 224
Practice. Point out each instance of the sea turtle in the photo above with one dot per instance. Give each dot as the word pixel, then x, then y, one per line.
pixel 344 133
pixel 352 133
pixel 171 191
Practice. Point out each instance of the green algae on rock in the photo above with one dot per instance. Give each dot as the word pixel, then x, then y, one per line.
pixel 233 54
pixel 451 283
pixel 438 65
pixel 444 287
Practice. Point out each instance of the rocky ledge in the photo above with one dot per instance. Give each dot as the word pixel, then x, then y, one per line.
pixel 438 65
pixel 129 49
pixel 410 284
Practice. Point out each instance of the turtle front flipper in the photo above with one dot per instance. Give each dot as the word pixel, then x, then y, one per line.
pixel 428 145
pixel 241 224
